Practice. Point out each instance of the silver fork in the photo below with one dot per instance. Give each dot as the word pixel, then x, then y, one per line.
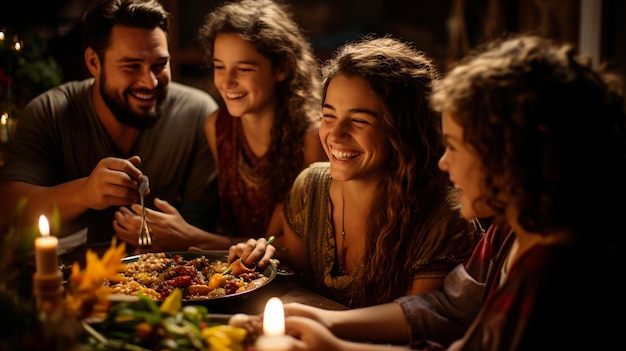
pixel 145 239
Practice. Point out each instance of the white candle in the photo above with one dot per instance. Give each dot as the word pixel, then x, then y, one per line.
pixel 274 318
pixel 4 128
pixel 48 280
pixel 46 249
pixel 273 338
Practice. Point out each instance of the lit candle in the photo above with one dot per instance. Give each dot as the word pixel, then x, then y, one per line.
pixel 48 281
pixel 46 249
pixel 273 338
pixel 4 128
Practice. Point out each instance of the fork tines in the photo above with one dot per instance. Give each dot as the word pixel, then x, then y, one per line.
pixel 145 239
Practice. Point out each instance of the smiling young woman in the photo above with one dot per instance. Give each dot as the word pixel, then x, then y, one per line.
pixel 379 220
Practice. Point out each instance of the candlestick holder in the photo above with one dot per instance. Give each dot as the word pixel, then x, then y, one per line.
pixel 48 290
pixel 273 343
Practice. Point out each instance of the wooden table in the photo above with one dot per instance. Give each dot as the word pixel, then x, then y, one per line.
pixel 287 287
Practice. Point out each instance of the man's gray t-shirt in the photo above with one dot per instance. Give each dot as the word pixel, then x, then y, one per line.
pixel 59 138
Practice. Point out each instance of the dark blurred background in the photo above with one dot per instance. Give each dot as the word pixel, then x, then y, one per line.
pixel 444 29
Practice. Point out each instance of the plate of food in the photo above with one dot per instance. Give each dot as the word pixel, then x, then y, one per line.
pixel 202 277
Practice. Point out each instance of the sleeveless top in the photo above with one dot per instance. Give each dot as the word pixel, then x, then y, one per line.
pixel 245 207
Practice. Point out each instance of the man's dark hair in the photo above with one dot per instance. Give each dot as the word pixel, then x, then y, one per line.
pixel 99 20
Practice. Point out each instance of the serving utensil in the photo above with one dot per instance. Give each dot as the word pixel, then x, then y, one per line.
pixel 145 239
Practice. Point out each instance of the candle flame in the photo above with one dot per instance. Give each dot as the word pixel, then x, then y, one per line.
pixel 44 227
pixel 274 318
pixel 4 119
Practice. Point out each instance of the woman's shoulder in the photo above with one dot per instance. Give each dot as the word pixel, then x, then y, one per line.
pixel 218 117
pixel 220 124
pixel 319 169
pixel 310 186
pixel 314 173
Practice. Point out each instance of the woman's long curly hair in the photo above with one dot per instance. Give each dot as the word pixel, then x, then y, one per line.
pixel 401 77
pixel 550 132
pixel 271 29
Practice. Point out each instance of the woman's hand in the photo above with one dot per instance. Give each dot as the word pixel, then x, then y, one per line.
pixel 251 252
pixel 310 335
pixel 310 312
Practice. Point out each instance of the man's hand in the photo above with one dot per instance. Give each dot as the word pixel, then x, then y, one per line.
pixel 170 231
pixel 113 182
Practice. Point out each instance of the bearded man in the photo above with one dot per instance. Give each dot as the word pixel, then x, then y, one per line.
pixel 82 147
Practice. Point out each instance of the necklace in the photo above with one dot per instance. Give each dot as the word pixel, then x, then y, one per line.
pixel 342 252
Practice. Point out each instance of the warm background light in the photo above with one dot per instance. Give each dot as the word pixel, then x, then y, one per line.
pixel 4 125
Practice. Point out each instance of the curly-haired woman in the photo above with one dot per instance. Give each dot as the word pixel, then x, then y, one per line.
pixel 379 220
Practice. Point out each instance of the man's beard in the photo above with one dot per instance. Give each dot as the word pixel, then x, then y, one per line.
pixel 123 111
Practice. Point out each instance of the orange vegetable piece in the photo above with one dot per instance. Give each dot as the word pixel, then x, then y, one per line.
pixel 239 268
pixel 217 280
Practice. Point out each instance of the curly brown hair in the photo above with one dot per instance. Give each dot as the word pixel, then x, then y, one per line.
pixel 271 29
pixel 550 131
pixel 413 188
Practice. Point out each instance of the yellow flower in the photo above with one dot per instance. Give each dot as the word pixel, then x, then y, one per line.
pixel 98 270
pixel 86 295
pixel 224 338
